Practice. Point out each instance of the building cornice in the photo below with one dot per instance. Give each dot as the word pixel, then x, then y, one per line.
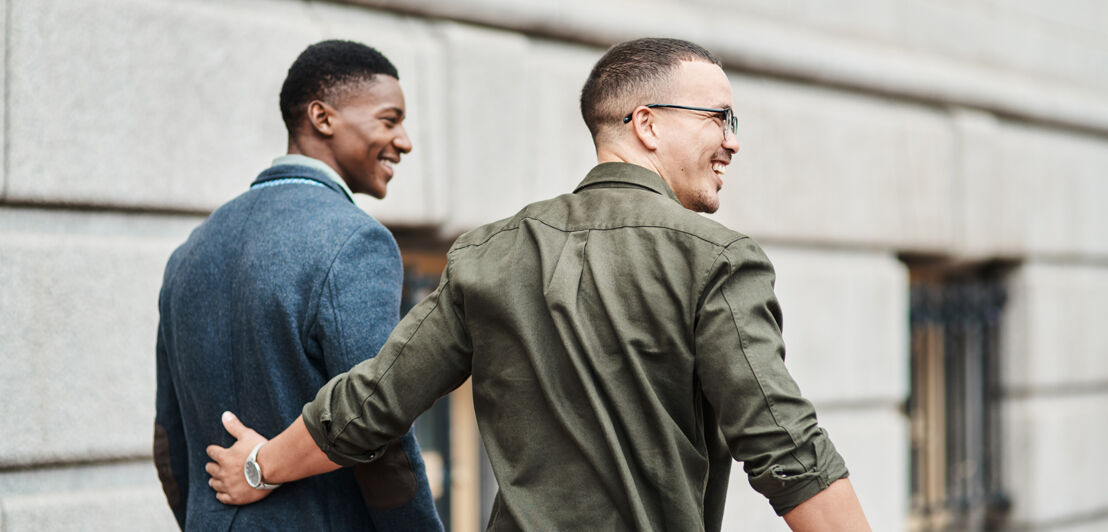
pixel 756 45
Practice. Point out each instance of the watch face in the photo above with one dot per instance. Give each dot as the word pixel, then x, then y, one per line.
pixel 253 476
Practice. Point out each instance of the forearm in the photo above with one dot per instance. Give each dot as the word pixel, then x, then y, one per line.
pixel 835 509
pixel 293 455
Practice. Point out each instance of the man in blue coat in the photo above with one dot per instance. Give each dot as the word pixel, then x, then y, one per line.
pixel 279 290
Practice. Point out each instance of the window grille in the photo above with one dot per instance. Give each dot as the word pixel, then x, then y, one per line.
pixel 953 404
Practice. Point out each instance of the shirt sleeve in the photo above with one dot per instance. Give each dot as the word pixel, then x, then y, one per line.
pixel 767 424
pixel 359 306
pixel 428 355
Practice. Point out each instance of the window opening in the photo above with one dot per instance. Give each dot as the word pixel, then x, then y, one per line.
pixel 954 397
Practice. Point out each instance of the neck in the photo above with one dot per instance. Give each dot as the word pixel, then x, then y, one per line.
pixel 297 147
pixel 314 149
pixel 607 153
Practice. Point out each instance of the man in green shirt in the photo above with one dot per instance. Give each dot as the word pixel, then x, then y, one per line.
pixel 623 348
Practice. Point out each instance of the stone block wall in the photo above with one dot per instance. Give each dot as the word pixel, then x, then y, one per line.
pixel 1056 372
pixel 78 296
pixel 969 130
pixel 844 313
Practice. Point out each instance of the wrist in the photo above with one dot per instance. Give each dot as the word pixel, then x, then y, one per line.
pixel 256 472
pixel 270 464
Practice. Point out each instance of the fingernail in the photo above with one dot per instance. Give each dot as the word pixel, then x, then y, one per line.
pixel 228 416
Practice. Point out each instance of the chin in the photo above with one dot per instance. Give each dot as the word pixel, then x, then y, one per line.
pixel 707 203
pixel 710 206
pixel 376 191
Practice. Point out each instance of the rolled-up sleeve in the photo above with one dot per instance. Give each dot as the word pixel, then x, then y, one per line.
pixel 357 413
pixel 768 425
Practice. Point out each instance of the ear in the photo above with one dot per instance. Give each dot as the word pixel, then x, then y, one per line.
pixel 644 127
pixel 321 117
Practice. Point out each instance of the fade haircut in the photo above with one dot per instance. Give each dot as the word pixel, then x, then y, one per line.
pixel 631 74
pixel 328 71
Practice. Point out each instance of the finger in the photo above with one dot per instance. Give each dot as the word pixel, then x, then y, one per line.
pixel 217 485
pixel 212 468
pixel 233 425
pixel 223 498
pixel 215 452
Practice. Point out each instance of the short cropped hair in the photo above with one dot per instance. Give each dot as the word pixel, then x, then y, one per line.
pixel 327 71
pixel 631 74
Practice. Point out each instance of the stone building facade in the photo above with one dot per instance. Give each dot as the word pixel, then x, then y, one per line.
pixel 885 143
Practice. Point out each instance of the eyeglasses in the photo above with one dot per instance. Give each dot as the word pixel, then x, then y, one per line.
pixel 727 116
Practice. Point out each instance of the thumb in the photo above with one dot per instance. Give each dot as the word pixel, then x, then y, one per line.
pixel 234 426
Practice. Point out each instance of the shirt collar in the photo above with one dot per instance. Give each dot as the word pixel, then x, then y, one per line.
pixel 607 175
pixel 304 160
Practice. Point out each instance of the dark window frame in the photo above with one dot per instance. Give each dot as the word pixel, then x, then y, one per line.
pixel 955 476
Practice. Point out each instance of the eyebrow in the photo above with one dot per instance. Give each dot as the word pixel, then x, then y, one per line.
pixel 394 109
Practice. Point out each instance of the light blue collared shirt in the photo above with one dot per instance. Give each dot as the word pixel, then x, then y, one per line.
pixel 304 160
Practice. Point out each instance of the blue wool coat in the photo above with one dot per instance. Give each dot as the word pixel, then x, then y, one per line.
pixel 279 290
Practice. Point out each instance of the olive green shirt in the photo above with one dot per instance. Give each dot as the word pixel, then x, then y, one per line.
pixel 623 351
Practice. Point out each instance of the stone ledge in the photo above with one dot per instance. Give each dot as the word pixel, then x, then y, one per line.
pixel 108 496
pixel 764 46
pixel 112 509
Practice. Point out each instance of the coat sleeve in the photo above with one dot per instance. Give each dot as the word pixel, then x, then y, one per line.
pixel 359 307
pixel 170 448
pixel 740 362
pixel 360 299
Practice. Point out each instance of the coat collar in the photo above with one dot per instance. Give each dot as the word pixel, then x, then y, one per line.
pixel 296 171
pixel 616 175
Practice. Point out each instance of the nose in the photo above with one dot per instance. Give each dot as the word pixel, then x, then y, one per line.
pixel 730 142
pixel 401 142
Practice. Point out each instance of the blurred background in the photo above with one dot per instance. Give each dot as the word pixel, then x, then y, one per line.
pixel 928 176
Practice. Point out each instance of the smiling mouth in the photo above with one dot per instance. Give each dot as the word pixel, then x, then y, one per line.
pixel 719 168
pixel 388 163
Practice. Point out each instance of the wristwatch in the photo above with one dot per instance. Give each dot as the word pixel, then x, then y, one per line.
pixel 253 471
